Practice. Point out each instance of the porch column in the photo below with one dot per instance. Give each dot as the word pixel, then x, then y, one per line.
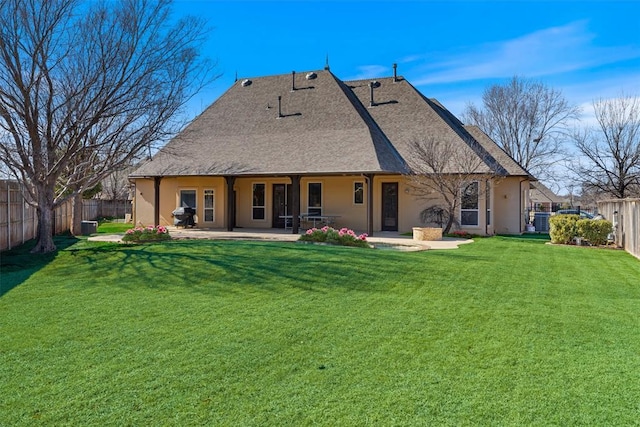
pixel 295 201
pixel 369 179
pixel 230 180
pixel 156 201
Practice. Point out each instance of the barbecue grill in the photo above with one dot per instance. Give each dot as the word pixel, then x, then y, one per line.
pixel 184 217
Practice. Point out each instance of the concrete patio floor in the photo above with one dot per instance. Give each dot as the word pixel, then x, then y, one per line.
pixel 274 234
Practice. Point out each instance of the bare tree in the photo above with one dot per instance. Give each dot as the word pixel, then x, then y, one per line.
pixel 610 153
pixel 116 185
pixel 444 173
pixel 87 87
pixel 528 120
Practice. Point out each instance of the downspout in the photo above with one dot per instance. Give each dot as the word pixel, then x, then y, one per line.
pixel 520 219
pixel 487 208
pixel 156 202
pixel 369 178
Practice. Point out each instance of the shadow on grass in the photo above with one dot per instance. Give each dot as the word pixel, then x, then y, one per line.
pixel 18 264
pixel 217 267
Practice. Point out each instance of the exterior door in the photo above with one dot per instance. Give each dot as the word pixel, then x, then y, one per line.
pixel 281 205
pixel 389 206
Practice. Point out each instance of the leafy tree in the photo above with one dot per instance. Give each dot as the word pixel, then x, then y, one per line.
pixel 87 87
pixel 528 120
pixel 610 152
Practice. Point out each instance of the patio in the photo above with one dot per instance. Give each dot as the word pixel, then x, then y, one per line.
pixel 275 234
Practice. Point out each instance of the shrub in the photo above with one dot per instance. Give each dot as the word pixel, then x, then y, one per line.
pixel 343 237
pixel 146 234
pixel 595 231
pixel 563 228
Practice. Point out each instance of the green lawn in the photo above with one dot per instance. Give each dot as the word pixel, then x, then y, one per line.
pixel 110 227
pixel 504 331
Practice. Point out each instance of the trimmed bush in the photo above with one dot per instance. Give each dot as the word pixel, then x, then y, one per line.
pixel 595 231
pixel 563 228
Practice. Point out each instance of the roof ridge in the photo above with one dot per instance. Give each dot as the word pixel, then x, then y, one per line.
pixel 371 123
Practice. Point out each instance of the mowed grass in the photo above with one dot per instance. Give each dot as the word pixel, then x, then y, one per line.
pixel 504 331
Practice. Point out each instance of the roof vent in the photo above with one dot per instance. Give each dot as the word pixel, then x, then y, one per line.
pixel 311 76
pixel 372 85
pixel 293 81
pixel 395 72
pixel 246 82
pixel 279 107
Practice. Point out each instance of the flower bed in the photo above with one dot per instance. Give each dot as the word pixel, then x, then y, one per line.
pixel 343 237
pixel 146 234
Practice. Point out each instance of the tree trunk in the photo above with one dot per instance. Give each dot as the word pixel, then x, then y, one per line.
pixel 76 215
pixel 45 222
pixel 448 226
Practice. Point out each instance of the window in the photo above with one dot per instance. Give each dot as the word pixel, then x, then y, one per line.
pixel 314 199
pixel 258 201
pixel 188 199
pixel 469 205
pixel 209 205
pixel 358 193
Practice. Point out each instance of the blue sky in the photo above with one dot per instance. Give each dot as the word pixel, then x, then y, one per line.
pixel 449 50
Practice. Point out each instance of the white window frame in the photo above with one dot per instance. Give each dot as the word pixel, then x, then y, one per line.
pixel 263 206
pixel 205 209
pixel 476 209
pixel 315 208
pixel 356 203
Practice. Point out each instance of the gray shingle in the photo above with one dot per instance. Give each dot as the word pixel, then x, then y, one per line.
pixel 327 127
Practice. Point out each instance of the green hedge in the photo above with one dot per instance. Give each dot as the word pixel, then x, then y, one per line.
pixel 564 228
pixel 595 231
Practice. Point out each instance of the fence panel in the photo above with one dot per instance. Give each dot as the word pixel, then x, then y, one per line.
pixel 625 215
pixel 90 209
pixel 17 217
pixel 19 220
pixel 114 208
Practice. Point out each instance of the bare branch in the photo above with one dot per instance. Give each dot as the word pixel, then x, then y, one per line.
pixel 86 88
pixel 528 120
pixel 442 171
pixel 611 152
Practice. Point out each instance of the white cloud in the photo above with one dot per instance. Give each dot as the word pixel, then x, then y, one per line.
pixel 369 72
pixel 545 52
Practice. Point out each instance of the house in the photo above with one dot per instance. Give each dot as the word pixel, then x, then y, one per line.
pixel 542 199
pixel 273 151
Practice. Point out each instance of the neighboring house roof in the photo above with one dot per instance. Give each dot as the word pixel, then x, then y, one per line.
pixel 326 127
pixel 541 194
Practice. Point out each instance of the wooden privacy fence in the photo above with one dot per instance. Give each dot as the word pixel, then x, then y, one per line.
pixel 625 216
pixel 19 220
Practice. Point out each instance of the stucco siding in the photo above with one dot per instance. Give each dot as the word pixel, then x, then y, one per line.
pixel 510 200
pixel 143 202
pixel 505 202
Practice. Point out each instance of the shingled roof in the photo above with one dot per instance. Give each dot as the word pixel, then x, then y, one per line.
pixel 321 125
